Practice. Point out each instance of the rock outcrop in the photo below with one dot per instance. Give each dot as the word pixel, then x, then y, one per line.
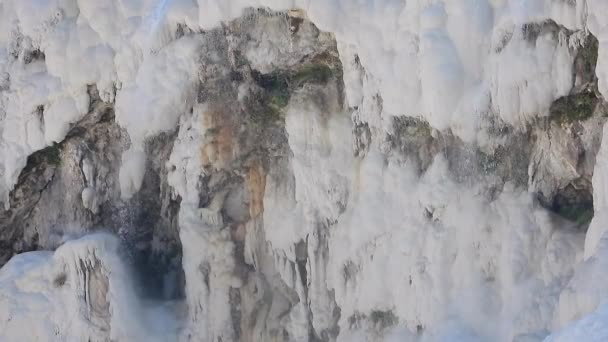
pixel 267 207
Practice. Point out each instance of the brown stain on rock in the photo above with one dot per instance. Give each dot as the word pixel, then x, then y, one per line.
pixel 256 185
pixel 218 149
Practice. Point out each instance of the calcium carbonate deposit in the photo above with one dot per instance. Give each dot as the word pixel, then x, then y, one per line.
pixel 303 170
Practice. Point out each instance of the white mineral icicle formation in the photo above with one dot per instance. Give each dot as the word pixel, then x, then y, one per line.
pixel 308 170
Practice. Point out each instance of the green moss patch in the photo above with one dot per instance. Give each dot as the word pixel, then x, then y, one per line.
pixel 587 55
pixel 52 154
pixel 278 86
pixel 578 107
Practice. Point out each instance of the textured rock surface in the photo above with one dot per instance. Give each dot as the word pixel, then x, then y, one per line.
pixel 49 203
pixel 261 199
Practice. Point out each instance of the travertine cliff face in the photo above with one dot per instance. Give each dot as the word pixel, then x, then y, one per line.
pixel 262 179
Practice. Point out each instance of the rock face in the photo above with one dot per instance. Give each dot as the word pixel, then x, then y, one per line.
pixel 227 148
pixel 82 171
pixel 274 210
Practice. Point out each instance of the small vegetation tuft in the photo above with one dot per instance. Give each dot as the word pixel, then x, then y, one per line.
pixel 587 54
pixel 52 154
pixel 571 108
pixel 278 86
